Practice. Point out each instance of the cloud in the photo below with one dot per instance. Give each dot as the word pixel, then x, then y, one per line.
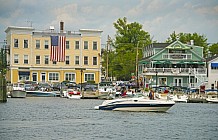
pixel 160 18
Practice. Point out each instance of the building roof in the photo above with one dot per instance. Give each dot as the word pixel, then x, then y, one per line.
pixel 160 45
pixel 212 58
pixel 19 28
pixel 90 30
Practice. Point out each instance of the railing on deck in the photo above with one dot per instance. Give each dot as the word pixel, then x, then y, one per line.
pixel 199 73
pixel 188 71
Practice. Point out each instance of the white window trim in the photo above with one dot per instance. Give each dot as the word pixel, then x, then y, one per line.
pixel 93 61
pixel 54 80
pixel 70 73
pixel 88 73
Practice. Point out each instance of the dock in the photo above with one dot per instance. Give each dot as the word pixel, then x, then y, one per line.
pixel 89 95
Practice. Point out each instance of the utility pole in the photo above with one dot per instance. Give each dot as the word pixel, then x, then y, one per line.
pixel 108 43
pixel 136 68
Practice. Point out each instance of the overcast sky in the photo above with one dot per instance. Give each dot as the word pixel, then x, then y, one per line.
pixel 158 17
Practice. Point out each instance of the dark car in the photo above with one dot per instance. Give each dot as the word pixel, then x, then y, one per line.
pixel 91 87
pixel 45 86
pixel 57 86
pixel 29 87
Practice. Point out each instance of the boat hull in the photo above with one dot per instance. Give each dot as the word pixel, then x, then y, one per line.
pixel 137 105
pixel 40 94
pixel 18 94
pixel 212 100
pixel 74 97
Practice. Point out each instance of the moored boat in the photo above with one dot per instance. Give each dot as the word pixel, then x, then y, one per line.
pixel 212 100
pixel 73 94
pixel 18 91
pixel 136 104
pixel 106 92
pixel 40 93
pixel 179 98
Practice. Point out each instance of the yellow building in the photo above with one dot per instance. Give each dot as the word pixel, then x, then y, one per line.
pixel 30 55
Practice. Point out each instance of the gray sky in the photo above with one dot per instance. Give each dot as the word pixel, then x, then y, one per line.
pixel 158 17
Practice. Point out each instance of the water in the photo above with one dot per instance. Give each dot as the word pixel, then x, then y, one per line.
pixel 48 118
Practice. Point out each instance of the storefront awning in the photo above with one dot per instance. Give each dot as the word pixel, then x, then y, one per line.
pixel 157 62
pixel 167 62
pixel 180 62
pixel 143 62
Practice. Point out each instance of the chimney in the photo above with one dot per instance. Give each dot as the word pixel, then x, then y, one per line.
pixel 51 28
pixel 192 42
pixel 61 27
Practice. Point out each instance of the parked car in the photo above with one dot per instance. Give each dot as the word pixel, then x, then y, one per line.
pixel 44 86
pixel 91 87
pixel 29 87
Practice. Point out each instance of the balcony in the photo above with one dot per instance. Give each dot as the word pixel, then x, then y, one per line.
pixel 174 71
pixel 176 56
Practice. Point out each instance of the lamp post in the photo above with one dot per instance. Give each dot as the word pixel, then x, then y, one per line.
pixel 81 72
pixel 189 82
pixel 156 80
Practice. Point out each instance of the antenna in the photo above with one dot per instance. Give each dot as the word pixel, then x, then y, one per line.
pixel 29 23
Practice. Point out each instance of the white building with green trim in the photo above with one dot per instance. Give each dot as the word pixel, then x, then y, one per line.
pixel 173 64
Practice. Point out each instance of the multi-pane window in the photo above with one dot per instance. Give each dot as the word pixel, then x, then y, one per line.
pixel 162 81
pixel 37 59
pixel 15 43
pixel 54 62
pixel 69 76
pixel 95 45
pixel 25 43
pixel 76 60
pixel 24 77
pixel 25 59
pixel 67 60
pixel 46 59
pixel 67 44
pixel 37 44
pixel 34 76
pixel 89 77
pixel 94 60
pixel 76 45
pixel 53 76
pixel 86 47
pixel 16 58
pixel 85 60
pixel 46 44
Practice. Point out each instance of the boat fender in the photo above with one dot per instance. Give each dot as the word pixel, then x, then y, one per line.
pixel 135 100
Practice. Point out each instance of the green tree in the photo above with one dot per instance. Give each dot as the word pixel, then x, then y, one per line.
pixel 129 37
pixel 214 49
pixel 199 40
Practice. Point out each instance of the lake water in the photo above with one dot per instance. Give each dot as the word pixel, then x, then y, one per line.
pixel 54 118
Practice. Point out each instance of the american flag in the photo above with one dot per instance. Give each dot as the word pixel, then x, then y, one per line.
pixel 58 45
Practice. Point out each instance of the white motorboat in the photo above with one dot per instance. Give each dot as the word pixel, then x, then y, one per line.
pixel 212 100
pixel 73 94
pixel 212 95
pixel 18 90
pixel 106 92
pixel 179 98
pixel 136 104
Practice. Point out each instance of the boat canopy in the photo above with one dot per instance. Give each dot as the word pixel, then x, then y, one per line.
pixel 214 64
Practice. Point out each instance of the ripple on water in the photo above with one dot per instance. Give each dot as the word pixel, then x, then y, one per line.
pixel 60 118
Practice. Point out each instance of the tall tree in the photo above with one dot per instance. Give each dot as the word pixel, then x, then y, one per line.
pixel 199 40
pixel 129 37
pixel 214 49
